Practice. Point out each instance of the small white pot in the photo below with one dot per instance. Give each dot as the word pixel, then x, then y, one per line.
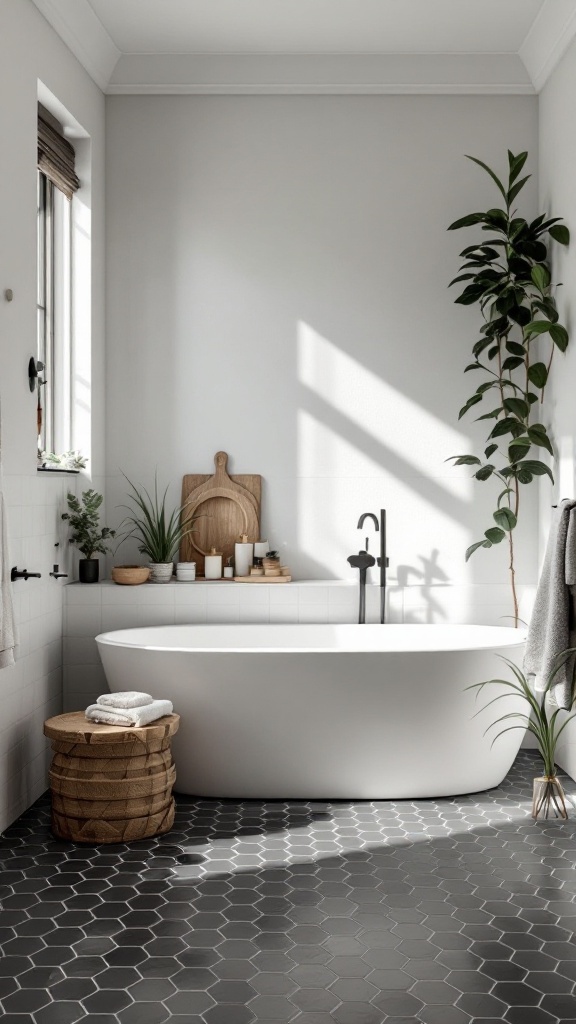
pixel 161 572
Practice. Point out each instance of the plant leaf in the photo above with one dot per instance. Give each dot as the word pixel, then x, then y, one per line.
pixel 538 374
pixel 538 327
pixel 516 164
pixel 505 518
pixel 517 406
pixel 519 448
pixel 538 435
pixel 513 192
pixel 466 222
pixel 512 362
pixel 560 233
pixel 485 473
pixel 559 336
pixel 540 276
pixel 494 534
pixel 490 172
pixel 474 547
pixel 471 401
pixel 538 468
pixel 505 426
pixel 464 460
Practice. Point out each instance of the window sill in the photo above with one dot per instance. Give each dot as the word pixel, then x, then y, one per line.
pixel 57 469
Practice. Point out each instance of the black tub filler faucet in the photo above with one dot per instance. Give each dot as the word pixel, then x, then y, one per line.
pixel 363 561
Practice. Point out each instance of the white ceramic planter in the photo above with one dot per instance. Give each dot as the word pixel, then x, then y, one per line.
pixel 161 572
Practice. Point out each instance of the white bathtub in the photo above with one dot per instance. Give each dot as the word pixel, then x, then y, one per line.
pixel 320 711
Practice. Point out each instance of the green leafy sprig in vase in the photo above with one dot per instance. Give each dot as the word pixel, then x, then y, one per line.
pixel 88 536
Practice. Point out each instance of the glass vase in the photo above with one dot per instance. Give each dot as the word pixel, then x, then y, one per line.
pixel 548 798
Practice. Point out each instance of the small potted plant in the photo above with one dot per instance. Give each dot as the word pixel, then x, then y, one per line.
pixel 88 536
pixel 159 533
pixel 543 722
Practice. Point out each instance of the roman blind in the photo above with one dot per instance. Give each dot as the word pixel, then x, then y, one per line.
pixel 56 158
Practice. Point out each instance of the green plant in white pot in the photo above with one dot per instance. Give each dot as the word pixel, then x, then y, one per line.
pixel 159 532
pixel 89 537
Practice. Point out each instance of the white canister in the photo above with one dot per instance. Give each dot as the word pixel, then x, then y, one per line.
pixel 261 549
pixel 213 565
pixel 228 572
pixel 186 572
pixel 243 556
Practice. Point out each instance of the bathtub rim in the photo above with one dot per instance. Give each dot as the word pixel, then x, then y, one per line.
pixel 510 638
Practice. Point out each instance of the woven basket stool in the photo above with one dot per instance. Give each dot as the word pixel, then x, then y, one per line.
pixel 110 783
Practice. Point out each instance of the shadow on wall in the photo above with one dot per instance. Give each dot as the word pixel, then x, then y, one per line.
pixel 428 577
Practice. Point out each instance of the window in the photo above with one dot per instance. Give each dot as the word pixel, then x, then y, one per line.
pixel 57 183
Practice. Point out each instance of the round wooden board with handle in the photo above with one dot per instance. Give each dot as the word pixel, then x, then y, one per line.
pixel 227 509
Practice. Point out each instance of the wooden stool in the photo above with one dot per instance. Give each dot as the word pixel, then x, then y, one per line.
pixel 111 783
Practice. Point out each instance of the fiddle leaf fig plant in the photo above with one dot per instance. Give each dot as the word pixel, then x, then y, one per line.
pixel 507 274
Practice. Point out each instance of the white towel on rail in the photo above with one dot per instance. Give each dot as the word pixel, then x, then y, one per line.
pixel 7 628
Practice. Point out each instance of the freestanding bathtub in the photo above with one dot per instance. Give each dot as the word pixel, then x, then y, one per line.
pixel 325 711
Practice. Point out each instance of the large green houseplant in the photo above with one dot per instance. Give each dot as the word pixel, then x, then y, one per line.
pixel 507 275
pixel 159 532
pixel 88 536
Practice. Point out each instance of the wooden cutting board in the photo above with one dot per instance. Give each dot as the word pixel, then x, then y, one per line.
pixel 228 505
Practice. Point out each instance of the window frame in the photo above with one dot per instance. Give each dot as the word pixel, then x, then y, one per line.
pixel 54 316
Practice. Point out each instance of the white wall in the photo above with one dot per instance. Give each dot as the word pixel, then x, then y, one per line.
pixel 558 197
pixel 30 690
pixel 277 287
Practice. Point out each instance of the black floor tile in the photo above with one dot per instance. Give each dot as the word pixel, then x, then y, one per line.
pixel 449 911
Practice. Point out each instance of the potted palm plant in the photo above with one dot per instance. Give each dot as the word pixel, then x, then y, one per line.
pixel 544 722
pixel 88 536
pixel 158 531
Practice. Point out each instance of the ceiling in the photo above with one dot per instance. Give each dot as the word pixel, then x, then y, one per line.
pixel 506 46
pixel 317 26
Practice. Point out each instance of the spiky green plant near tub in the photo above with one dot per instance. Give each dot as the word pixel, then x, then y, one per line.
pixel 159 532
pixel 508 275
pixel 543 722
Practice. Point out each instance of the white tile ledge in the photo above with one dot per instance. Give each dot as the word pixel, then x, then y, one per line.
pixel 217 583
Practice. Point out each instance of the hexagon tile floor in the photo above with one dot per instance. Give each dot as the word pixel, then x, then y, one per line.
pixel 441 911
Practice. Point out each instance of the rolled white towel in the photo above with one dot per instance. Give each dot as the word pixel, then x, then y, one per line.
pixel 125 699
pixel 136 717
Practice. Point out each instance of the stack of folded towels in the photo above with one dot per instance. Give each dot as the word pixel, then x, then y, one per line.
pixel 128 708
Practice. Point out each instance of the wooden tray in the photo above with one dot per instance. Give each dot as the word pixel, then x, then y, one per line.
pixel 229 506
pixel 262 579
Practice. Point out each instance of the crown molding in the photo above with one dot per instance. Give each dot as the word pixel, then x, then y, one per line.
pixel 246 74
pixel 83 33
pixel 368 74
pixel 547 41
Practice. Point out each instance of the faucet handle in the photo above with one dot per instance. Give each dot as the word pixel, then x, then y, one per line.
pixel 362 560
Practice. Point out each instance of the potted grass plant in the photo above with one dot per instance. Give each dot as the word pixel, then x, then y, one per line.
pixel 157 530
pixel 88 536
pixel 545 721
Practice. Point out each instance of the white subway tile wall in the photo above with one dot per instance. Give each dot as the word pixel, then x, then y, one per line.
pixel 31 689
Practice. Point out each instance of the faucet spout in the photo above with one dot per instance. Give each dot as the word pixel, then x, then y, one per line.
pixel 364 517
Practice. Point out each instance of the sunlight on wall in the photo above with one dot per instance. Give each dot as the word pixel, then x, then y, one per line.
pixel 411 432
pixel 362 444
